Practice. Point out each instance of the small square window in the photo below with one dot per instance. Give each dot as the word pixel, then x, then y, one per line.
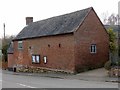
pixel 35 59
pixel 20 45
pixel 93 48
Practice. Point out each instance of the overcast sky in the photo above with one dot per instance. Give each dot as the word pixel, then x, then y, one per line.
pixel 13 12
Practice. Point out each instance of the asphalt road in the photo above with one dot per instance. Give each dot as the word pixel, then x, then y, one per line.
pixel 22 81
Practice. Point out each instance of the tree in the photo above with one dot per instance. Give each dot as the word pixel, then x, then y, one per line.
pixel 112 37
pixel 113 47
pixel 113 19
pixel 5 46
pixel 119 51
pixel 4 52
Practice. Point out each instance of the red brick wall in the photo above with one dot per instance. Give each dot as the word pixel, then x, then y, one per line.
pixel 11 61
pixel 91 32
pixel 4 65
pixel 58 57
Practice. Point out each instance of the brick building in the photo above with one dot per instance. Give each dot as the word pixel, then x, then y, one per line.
pixel 70 42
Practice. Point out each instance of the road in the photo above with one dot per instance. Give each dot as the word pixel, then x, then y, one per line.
pixel 23 81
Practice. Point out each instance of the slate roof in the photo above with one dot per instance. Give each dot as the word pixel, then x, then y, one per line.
pixel 10 49
pixel 53 26
pixel 116 28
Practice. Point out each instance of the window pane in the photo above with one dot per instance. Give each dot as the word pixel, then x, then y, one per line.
pixel 45 59
pixel 37 59
pixel 93 48
pixel 20 46
pixel 33 59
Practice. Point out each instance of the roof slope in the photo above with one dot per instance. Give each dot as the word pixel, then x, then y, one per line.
pixel 10 49
pixel 56 25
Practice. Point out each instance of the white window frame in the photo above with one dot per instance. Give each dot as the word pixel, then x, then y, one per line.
pixel 45 59
pixel 35 59
pixel 20 44
pixel 93 48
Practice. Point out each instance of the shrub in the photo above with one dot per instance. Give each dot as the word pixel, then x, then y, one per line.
pixel 118 63
pixel 107 65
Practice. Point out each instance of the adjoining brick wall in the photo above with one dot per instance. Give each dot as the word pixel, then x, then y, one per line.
pixel 4 65
pixel 11 61
pixel 91 32
pixel 59 57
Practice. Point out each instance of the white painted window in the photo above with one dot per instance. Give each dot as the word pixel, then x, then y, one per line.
pixel 35 59
pixel 93 48
pixel 20 45
pixel 45 59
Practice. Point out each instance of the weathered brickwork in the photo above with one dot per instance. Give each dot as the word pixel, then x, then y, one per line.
pixel 57 57
pixel 10 60
pixel 91 32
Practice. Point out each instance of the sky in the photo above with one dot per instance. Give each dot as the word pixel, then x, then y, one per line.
pixel 13 12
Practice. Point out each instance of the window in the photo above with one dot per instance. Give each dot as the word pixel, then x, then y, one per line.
pixel 45 59
pixel 36 59
pixel 93 48
pixel 33 59
pixel 20 45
